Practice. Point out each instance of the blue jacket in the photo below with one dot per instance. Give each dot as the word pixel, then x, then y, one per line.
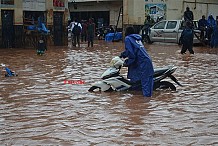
pixel 139 63
pixel 202 23
pixel 187 37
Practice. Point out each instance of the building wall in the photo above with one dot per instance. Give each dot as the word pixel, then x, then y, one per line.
pixel 18 9
pixel 134 11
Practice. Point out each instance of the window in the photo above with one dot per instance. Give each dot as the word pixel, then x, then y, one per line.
pixel 160 25
pixel 7 2
pixel 58 3
pixel 183 24
pixel 171 25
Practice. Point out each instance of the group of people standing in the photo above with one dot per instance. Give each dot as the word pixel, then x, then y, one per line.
pixel 84 31
pixel 208 28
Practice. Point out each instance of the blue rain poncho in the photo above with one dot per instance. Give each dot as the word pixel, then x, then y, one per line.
pixel 9 73
pixel 140 67
pixel 211 22
pixel 214 38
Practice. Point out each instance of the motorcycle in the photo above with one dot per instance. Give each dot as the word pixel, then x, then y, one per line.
pixel 113 81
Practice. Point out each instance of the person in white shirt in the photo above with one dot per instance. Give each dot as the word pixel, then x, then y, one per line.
pixel 76 31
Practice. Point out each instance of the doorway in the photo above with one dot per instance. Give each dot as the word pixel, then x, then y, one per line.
pixel 58 28
pixel 8 35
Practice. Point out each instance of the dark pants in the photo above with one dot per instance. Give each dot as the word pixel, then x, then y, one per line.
pixel 76 39
pixel 90 40
pixel 202 36
pixel 187 47
pixel 83 37
pixel 209 32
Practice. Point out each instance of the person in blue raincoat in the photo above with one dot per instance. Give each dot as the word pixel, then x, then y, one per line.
pixel 211 23
pixel 214 37
pixel 8 72
pixel 187 39
pixel 139 63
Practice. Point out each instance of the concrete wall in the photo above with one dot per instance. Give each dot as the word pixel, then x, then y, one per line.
pixel 134 10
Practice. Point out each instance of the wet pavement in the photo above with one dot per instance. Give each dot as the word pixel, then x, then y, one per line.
pixel 38 107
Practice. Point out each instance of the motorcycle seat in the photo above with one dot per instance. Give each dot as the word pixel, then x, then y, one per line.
pixel 160 71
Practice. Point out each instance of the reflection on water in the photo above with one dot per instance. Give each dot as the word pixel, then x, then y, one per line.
pixel 38 108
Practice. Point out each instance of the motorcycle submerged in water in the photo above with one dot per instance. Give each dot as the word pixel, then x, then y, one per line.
pixel 113 81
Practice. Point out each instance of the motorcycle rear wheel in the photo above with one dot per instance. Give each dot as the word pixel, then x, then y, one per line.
pixel 164 85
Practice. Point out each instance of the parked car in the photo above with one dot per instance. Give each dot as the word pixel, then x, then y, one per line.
pixel 170 31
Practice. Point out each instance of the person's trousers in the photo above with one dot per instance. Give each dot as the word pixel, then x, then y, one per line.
pixel 187 47
pixel 90 40
pixel 147 86
pixel 76 40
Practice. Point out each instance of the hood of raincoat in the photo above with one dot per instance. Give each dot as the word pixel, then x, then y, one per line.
pixel 211 21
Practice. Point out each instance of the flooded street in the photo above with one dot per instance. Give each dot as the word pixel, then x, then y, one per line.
pixel 38 108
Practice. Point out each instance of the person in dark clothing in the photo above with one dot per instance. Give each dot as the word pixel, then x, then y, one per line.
pixel 146 28
pixel 139 63
pixel 111 29
pixel 202 24
pixel 187 39
pixel 91 32
pixel 188 15
pixel 84 31
pixel 41 47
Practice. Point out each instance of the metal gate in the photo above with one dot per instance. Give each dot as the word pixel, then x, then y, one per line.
pixel 58 28
pixel 7 28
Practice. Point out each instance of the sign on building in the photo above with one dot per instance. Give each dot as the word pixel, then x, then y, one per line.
pixel 34 5
pixel 156 11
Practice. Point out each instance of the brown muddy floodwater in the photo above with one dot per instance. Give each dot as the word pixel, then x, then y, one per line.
pixel 38 108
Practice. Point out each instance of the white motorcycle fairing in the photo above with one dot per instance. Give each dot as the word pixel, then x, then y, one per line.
pixel 111 78
pixel 117 84
pixel 101 85
pixel 110 71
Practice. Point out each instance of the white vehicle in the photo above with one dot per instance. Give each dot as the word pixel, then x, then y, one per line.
pixel 113 81
pixel 170 31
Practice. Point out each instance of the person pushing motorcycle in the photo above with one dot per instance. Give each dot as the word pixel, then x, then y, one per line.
pixel 139 63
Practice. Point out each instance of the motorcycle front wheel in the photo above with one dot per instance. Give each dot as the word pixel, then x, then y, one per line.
pixel 95 88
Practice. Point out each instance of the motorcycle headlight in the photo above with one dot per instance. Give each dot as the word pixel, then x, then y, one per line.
pixel 116 62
